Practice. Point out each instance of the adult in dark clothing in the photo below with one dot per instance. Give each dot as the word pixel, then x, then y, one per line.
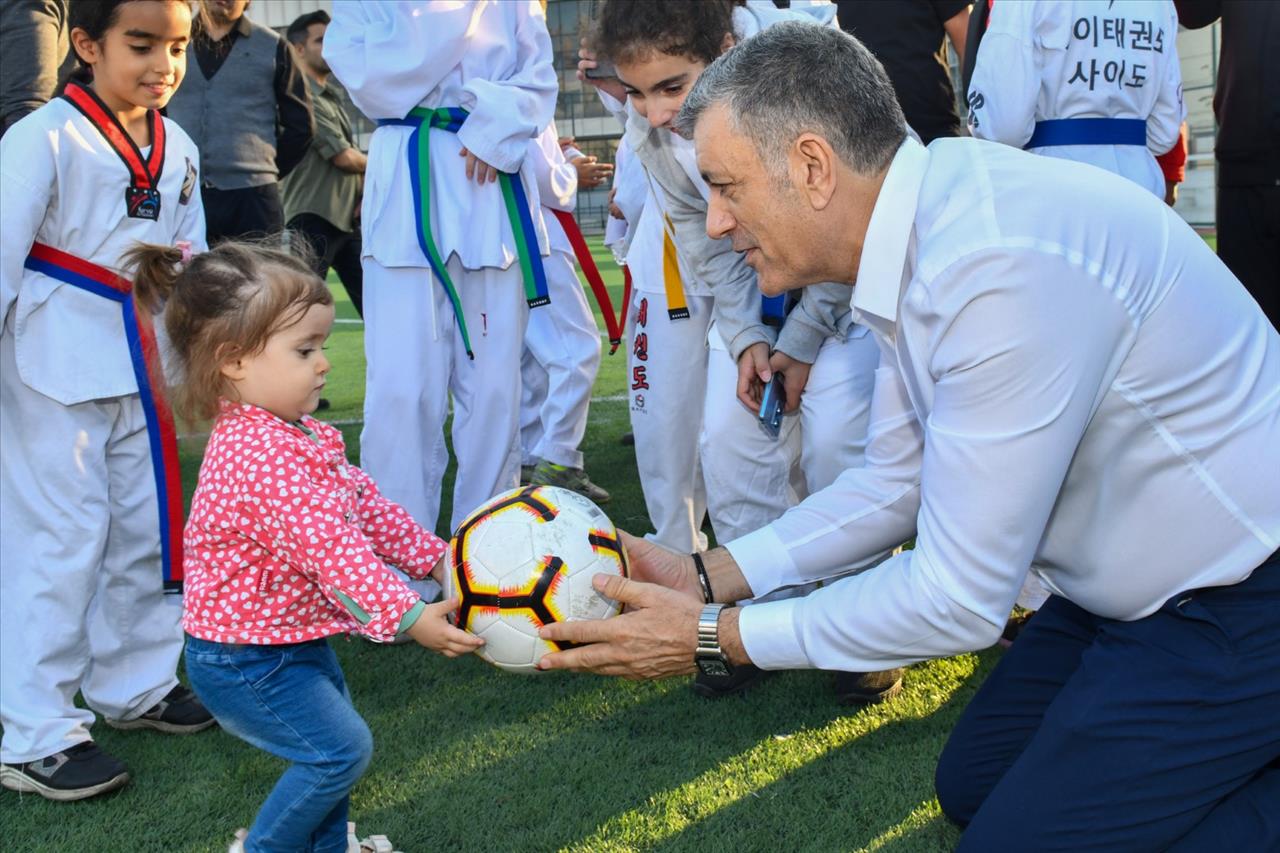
pixel 978 17
pixel 1247 104
pixel 908 37
pixel 249 113
pixel 35 44
pixel 322 195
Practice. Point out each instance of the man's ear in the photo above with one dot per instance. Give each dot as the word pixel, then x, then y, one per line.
pixel 727 42
pixel 813 169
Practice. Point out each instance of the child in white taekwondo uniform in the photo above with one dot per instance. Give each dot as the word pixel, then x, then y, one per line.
pixel 451 228
pixel 90 498
pixel 751 477
pixel 668 318
pixel 562 343
pixel 1087 80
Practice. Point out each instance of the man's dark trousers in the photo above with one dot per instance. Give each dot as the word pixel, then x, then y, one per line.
pixel 252 212
pixel 334 248
pixel 1249 241
pixel 1157 734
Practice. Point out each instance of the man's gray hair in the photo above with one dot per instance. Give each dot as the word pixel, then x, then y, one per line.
pixel 795 77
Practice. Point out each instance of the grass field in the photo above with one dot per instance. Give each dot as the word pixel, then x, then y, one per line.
pixel 469 758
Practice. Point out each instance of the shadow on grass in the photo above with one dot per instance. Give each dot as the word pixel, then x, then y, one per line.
pixel 853 796
pixel 579 762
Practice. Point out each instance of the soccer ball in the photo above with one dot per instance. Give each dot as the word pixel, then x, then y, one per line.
pixel 525 559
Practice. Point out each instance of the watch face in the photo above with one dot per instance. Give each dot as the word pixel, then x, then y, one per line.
pixel 713 667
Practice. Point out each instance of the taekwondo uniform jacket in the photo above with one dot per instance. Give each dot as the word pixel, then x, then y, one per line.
pixel 491 59
pixel 63 185
pixel 1081 59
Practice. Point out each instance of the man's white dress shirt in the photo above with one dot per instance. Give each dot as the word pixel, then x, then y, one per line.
pixel 1079 388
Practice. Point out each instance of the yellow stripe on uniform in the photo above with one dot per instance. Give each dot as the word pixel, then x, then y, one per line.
pixel 677 308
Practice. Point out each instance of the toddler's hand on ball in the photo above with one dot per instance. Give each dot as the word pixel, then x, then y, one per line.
pixel 433 631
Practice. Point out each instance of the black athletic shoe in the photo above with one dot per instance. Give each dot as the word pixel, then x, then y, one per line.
pixel 178 713
pixel 73 774
pixel 716 686
pixel 868 688
pixel 323 404
pixel 628 439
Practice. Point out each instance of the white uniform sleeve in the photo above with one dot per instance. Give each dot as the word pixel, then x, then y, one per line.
pixel 557 179
pixel 617 109
pixel 1167 114
pixel 506 113
pixel 28 184
pixel 1007 415
pixel 389 56
pixel 1006 76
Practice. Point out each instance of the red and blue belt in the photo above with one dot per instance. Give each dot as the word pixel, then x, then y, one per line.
pixel 147 369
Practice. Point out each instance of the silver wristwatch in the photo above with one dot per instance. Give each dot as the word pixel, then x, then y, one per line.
pixel 709 657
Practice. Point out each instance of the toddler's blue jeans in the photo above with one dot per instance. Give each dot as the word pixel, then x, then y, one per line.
pixel 292 701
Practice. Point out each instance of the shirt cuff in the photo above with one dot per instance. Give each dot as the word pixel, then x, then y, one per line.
pixel 769 635
pixel 407 620
pixel 763 560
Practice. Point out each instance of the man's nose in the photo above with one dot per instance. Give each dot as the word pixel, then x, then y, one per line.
pixel 720 223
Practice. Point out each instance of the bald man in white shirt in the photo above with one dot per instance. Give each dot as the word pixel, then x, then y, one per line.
pixel 1076 388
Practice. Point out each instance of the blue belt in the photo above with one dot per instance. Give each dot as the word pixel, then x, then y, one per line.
pixel 1088 131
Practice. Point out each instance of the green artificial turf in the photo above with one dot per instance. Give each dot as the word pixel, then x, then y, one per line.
pixel 472 758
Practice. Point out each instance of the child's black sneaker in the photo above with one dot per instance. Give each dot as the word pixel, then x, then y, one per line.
pixel 180 712
pixel 75 773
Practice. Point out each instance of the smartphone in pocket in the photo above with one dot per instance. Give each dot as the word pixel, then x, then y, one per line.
pixel 771 403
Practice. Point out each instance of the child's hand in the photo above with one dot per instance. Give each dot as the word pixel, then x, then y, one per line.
pixel 434 631
pixel 437 572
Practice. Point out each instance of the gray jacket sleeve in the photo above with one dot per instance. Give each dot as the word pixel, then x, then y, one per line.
pixel 823 312
pixel 34 43
pixel 733 284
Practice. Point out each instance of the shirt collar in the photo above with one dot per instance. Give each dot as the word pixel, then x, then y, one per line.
pixel 242 26
pixel 884 252
pixel 232 407
pixel 317 88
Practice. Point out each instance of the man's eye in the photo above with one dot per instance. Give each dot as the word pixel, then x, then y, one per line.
pixel 674 90
pixel 306 351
